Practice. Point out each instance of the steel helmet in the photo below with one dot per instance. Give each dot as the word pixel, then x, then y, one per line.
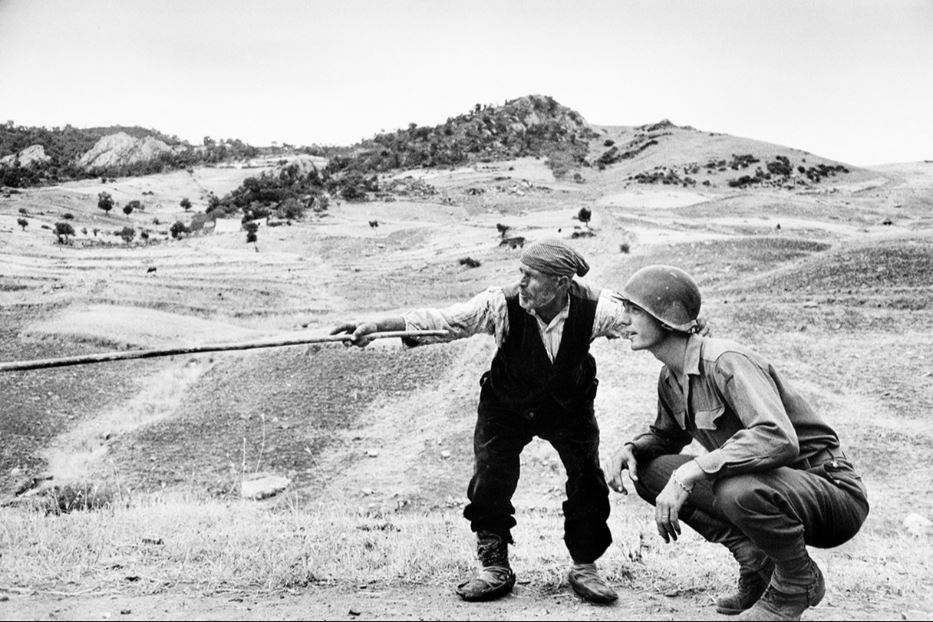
pixel 669 294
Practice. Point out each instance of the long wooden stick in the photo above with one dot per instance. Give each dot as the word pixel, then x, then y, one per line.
pixel 83 359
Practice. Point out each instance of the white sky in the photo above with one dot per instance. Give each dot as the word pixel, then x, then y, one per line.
pixel 845 79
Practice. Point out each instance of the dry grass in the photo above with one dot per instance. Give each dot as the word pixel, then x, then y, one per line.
pixel 159 543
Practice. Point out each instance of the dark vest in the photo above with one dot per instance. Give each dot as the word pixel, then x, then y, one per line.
pixel 522 376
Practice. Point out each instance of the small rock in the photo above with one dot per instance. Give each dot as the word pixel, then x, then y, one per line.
pixel 916 525
pixel 445 454
pixel 263 485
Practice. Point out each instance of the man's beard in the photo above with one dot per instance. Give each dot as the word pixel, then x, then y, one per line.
pixel 541 300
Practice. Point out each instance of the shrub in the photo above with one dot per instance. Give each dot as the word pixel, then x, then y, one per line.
pixel 178 229
pixel 22 222
pixel 77 497
pixel 62 231
pixel 105 202
pixel 128 233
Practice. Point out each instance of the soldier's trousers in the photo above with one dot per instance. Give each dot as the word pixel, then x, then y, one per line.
pixel 780 511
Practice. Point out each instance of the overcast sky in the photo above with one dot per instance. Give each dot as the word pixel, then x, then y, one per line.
pixel 850 80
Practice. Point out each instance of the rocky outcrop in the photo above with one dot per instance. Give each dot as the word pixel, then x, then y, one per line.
pixel 29 155
pixel 122 149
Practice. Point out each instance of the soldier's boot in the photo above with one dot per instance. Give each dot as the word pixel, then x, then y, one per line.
pixel 753 581
pixel 755 567
pixel 495 577
pixel 791 592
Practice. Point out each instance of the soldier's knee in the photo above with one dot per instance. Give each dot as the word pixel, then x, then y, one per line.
pixel 738 495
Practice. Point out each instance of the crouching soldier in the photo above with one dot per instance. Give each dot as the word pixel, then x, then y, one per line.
pixel 775 478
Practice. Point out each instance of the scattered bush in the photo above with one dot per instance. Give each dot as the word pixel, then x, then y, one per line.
pixel 22 222
pixel 178 229
pixel 105 202
pixel 63 231
pixel 469 262
pixel 251 234
pixel 128 233
pixel 78 497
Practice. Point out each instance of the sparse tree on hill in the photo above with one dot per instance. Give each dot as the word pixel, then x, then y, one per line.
pixel 178 229
pixel 105 202
pixel 144 236
pixel 62 231
pixel 128 233
pixel 251 237
pixel 584 216
pixel 503 229
pixel 185 204
pixel 128 209
pixel 22 222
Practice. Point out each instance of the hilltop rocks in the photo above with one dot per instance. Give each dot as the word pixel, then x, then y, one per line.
pixel 33 153
pixel 121 149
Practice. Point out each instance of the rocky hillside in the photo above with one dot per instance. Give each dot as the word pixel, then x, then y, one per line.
pixel 31 156
pixel 121 149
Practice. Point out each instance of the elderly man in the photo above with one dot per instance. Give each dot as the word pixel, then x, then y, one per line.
pixel 774 478
pixel 541 382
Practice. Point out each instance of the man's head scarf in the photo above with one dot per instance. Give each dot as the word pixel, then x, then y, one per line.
pixel 553 256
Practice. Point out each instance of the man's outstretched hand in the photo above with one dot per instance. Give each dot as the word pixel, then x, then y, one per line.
pixel 357 331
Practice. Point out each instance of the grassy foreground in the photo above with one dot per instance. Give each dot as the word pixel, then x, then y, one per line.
pixel 155 544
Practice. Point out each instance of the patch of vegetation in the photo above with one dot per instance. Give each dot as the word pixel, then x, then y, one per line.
pixel 663 175
pixel 77 497
pixel 535 126
pixel 64 146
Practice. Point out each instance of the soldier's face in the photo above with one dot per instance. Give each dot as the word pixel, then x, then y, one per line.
pixel 644 331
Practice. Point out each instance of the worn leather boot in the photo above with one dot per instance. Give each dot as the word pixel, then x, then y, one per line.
pixel 590 585
pixel 495 579
pixel 752 584
pixel 778 605
pixel 754 566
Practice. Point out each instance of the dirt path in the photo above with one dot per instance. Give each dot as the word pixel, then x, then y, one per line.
pixel 407 602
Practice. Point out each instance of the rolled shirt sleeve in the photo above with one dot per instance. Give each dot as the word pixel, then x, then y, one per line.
pixel 608 320
pixel 485 313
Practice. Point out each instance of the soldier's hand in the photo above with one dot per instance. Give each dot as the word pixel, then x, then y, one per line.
pixel 703 327
pixel 621 460
pixel 667 510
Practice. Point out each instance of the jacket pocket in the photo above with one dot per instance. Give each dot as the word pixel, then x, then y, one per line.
pixel 706 419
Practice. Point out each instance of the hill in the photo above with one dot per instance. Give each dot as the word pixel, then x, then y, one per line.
pixel 31 156
pixel 829 278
